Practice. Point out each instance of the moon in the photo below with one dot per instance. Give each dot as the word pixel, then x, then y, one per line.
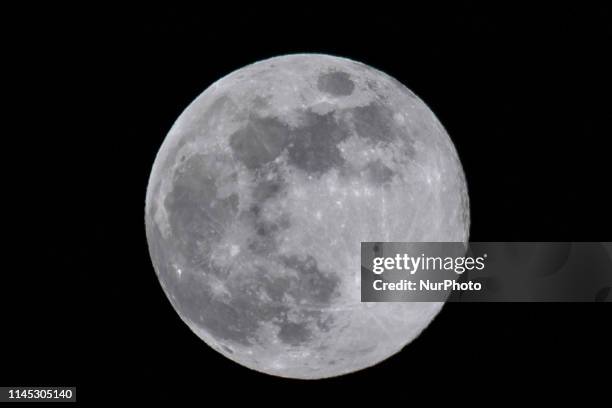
pixel 262 192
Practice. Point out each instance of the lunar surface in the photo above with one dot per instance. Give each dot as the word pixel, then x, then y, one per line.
pixel 264 189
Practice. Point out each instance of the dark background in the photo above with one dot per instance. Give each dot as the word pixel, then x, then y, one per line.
pixel 524 95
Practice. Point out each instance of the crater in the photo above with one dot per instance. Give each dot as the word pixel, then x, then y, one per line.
pixel 336 83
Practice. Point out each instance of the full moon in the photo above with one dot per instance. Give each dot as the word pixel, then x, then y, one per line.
pixel 260 197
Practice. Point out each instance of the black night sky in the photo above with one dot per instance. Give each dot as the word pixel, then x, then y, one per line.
pixel 524 95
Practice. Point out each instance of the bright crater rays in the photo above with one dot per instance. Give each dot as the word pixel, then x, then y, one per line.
pixel 264 189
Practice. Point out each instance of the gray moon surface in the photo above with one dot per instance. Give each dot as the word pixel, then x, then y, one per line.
pixel 260 197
